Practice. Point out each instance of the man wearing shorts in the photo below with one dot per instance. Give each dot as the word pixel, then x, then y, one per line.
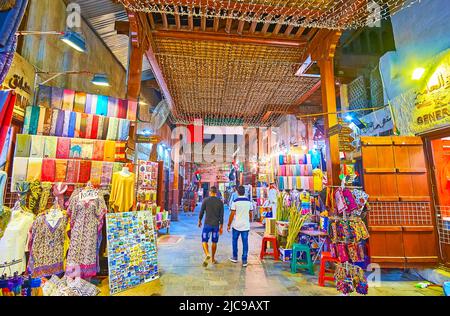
pixel 213 206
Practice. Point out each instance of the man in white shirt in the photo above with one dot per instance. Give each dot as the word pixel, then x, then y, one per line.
pixel 240 217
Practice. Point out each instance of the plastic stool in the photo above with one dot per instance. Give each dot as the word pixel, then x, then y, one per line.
pixel 273 240
pixel 302 264
pixel 326 257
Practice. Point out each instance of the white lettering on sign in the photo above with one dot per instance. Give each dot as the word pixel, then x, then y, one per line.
pixel 88 195
pixel 74 16
pixel 374 17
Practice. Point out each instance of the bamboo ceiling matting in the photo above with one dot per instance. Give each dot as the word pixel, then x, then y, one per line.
pixel 227 83
pixel 331 14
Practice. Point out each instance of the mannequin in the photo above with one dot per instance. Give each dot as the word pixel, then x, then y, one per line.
pixel 122 196
pixel 125 172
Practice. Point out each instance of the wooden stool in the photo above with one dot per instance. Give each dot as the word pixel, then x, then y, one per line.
pixel 326 257
pixel 297 249
pixel 273 241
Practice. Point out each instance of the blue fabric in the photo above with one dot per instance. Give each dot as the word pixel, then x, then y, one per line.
pixel 34 120
pixel 207 231
pixel 244 237
pixel 3 177
pixel 281 160
pixel 102 105
pixel 315 158
pixel 72 120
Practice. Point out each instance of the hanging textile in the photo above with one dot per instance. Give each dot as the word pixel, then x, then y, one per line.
pixel 44 97
pixel 94 130
pixel 26 120
pixel 68 99
pixel 89 121
pixel 37 146
pixel 75 148
pixel 73 171
pixel 79 102
pixel 110 150
pixel 86 220
pixel 122 192
pixel 59 129
pixel 40 128
pixel 107 171
pixel 120 154
pixel 122 113
pixel 7 102
pixel 50 145
pixel 85 171
pixel 61 170
pixel 34 169
pixel 59 189
pixel 96 172
pixel 35 194
pixel 57 97
pixel 46 245
pixel 63 149
pixel 99 150
pixel 3 178
pixel 48 170
pixel 101 121
pixel 87 149
pixel 66 123
pixel 102 105
pixel 47 124
pixel 45 195
pixel 105 127
pixel 77 125
pixel 113 107
pixel 131 110
pixel 88 105
pixel 83 125
pixel 124 129
pixel 72 122
pixel 19 173
pixel 113 128
pixel 23 145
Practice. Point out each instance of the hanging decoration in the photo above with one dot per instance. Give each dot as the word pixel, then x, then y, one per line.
pixel 330 14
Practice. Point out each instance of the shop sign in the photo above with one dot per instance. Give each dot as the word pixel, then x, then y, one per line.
pixel 377 122
pixel 343 138
pixel 147 139
pixel 334 130
pixel 432 104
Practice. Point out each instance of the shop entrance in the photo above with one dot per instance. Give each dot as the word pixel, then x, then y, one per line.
pixel 438 150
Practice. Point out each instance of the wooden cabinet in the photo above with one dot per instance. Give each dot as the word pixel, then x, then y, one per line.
pixel 401 220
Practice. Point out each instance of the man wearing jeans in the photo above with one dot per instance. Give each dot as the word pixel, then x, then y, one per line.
pixel 240 217
pixel 213 207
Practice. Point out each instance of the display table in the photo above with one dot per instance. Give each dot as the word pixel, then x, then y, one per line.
pixel 314 236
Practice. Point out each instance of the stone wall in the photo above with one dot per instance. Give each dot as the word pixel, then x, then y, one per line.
pixel 48 53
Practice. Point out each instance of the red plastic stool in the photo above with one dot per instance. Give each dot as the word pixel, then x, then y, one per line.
pixel 273 240
pixel 326 257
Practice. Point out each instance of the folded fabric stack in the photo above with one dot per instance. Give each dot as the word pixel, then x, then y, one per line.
pixel 81 102
pixel 296 183
pixel 295 170
pixel 41 120
pixel 295 159
pixel 69 287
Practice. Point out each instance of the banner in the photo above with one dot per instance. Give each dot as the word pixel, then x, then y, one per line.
pixel 377 122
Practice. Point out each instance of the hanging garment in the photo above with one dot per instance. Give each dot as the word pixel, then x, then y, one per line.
pixel 57 98
pixel 85 171
pixel 37 146
pixel 280 183
pixel 122 192
pixel 101 121
pixel 83 125
pixel 122 104
pixel 105 127
pixel 53 122
pixel 124 128
pixel 349 200
pixel 44 98
pixel 340 201
pixel 47 125
pixel 61 170
pixel 23 145
pixel 40 128
pixel 110 150
pixel 63 148
pixel 94 131
pixel 89 120
pixel 59 129
pixel 88 105
pixel 77 125
pixel 72 123
pixel 59 189
pixel 34 169
pixel 102 105
pixel 98 152
pixel 45 195
pixel 68 99
pixel 131 110
pixel 86 219
pixel 120 154
pixel 79 102
pixel 34 120
pixel 26 120
pixel 73 171
pixel 113 128
pixel 14 241
pixel 107 172
pixel 96 172
pixel 19 173
pixel 318 180
pixel 113 107
pixel 34 196
pixel 66 123
pixel 48 170
pixel 46 246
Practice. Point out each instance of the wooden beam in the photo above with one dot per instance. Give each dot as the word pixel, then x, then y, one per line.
pixel 134 71
pixel 122 27
pixel 266 25
pixel 288 30
pixel 229 23
pixel 164 20
pixel 232 38
pixel 190 21
pixel 151 20
pixel 277 28
pixel 254 24
pixel 177 17
pixel 299 32
pixel 216 24
pixel 241 26
pixel 203 21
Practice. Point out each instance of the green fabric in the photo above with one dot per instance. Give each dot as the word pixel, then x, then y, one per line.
pixel 34 120
pixel 23 145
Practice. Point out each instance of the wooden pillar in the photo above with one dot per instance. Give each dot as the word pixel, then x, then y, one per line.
pixel 329 106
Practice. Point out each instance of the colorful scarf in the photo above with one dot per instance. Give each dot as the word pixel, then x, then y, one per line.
pixel 47 122
pixel 23 145
pixel 80 102
pixel 113 128
pixel 101 121
pixel 61 170
pixel 88 105
pixel 53 123
pixel 122 113
pixel 44 96
pixel 35 193
pixel 68 98
pixel 83 125
pixel 40 128
pixel 77 125
pixel 66 123
pixel 89 120
pixel 27 119
pixel 19 173
pixel 57 97
pixel 99 150
pixel 109 150
pixel 120 155
pixel 124 129
pixel 94 104
pixel 34 169
pixel 105 127
pixel 34 120
pixel 107 171
pixel 87 149
pixel 59 123
pixel 76 146
pixel 117 167
pixel 113 107
pixel 131 110
pixel 45 195
pixel 63 149
pixel 102 105
pixel 48 170
pixel 96 172
pixel 58 191
pixel 37 146
pixel 72 122
pixel 85 171
pixel 94 131
pixel 73 171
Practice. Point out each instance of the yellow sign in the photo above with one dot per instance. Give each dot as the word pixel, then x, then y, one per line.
pixel 432 105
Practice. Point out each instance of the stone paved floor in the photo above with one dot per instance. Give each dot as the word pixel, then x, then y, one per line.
pixel 183 274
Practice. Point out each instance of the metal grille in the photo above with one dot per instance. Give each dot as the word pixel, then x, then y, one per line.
pixel 443 223
pixel 357 94
pixel 376 88
pixel 400 213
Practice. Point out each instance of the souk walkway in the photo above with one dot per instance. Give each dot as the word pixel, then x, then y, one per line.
pixel 182 272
